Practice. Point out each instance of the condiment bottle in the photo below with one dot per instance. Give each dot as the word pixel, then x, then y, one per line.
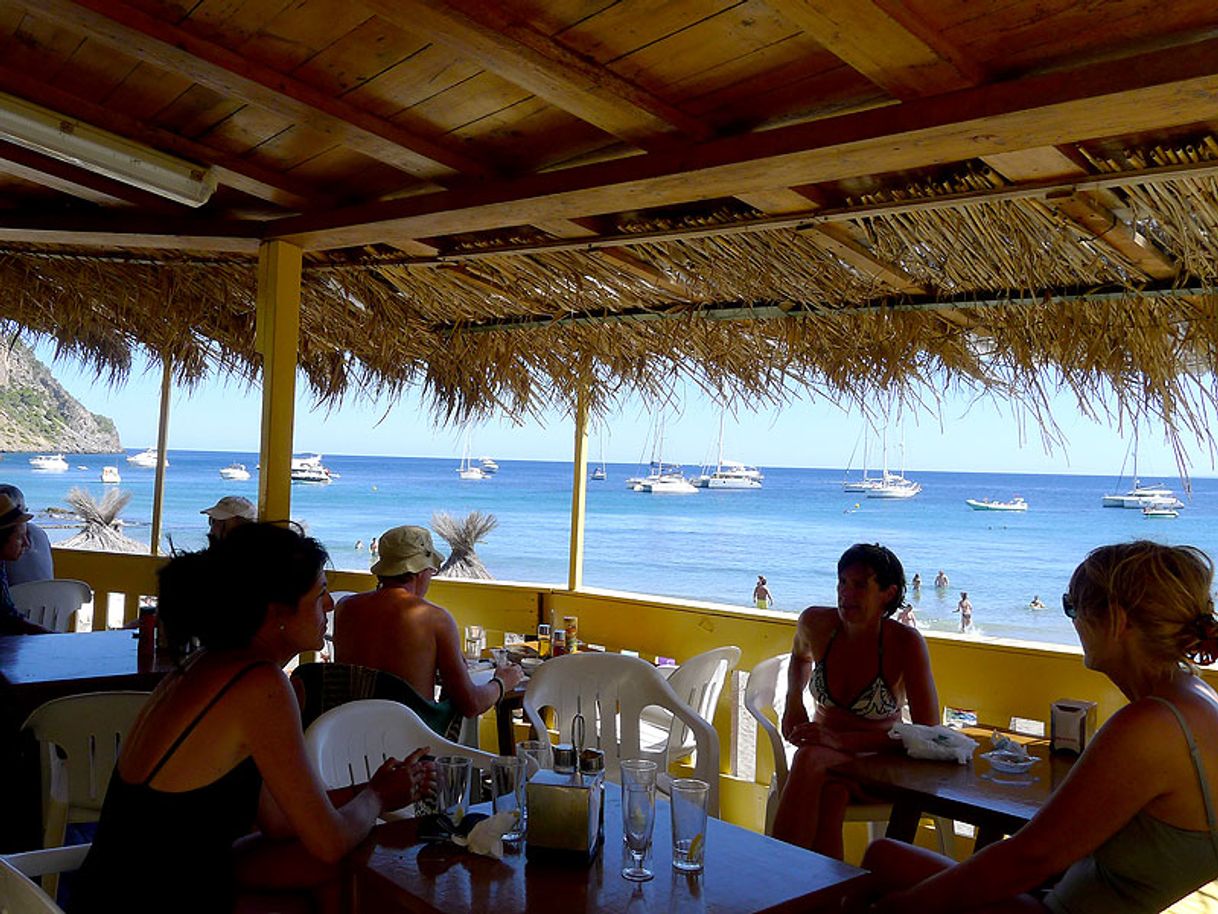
pixel 559 647
pixel 147 635
pixel 571 624
pixel 543 641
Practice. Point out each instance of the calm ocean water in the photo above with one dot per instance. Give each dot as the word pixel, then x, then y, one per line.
pixel 709 546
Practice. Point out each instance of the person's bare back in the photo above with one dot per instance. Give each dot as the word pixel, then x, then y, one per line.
pixel 393 630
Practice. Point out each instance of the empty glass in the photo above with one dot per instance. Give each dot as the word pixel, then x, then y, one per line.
pixel 537 753
pixel 688 801
pixel 452 786
pixel 509 774
pixel 638 814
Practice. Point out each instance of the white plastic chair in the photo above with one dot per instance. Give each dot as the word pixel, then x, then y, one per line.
pixel 698 682
pixel 611 691
pixel 765 695
pixel 79 739
pixel 52 604
pixel 347 744
pixel 19 894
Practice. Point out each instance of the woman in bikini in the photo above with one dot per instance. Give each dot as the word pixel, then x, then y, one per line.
pixel 1134 826
pixel 861 667
pixel 213 794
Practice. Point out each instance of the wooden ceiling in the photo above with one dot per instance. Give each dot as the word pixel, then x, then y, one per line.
pixel 427 125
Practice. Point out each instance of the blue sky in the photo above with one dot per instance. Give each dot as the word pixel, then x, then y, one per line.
pixel 964 435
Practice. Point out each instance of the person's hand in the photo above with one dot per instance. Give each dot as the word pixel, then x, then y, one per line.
pixel 400 783
pixel 510 675
pixel 813 735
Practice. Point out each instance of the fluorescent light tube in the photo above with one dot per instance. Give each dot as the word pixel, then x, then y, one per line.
pixel 78 143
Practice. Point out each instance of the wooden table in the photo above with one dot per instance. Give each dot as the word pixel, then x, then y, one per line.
pixel 997 804
pixel 745 872
pixel 37 668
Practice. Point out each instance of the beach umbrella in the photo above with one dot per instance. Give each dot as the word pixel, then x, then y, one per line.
pixel 462 535
pixel 103 529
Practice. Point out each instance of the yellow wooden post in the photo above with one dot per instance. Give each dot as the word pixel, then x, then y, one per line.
pixel 278 324
pixel 162 452
pixel 579 491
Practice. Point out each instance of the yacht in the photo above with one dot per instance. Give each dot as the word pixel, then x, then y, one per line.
pixel 488 466
pixel 235 471
pixel 985 504
pixel 1140 496
pixel 728 474
pixel 110 475
pixel 53 463
pixel 146 458
pixel 671 482
pixel 309 469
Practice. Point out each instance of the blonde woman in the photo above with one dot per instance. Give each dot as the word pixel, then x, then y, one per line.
pixel 1133 826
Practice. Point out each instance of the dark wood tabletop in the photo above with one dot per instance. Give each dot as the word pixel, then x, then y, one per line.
pixel 745 872
pixel 997 804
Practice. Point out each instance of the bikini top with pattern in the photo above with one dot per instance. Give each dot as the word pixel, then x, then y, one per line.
pixel 875 702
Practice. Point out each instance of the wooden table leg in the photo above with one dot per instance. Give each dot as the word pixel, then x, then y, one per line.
pixel 903 823
pixel 503 728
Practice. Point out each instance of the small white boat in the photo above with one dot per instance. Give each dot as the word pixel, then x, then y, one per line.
pixel 309 469
pixel 985 504
pixel 668 484
pixel 110 475
pixel 51 463
pixel 236 471
pixel 1160 511
pixel 468 469
pixel 146 458
pixel 488 465
pixel 598 474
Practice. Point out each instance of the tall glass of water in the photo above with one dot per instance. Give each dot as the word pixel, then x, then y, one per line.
pixel 638 814
pixel 688 802
pixel 452 786
pixel 509 774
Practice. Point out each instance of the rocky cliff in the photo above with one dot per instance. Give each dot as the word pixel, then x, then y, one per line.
pixel 37 414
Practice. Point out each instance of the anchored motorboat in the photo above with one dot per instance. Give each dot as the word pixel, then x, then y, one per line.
pixel 53 463
pixel 986 504
pixel 110 475
pixel 235 471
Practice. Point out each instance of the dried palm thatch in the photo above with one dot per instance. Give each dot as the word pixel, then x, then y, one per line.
pixel 463 535
pixel 1001 296
pixel 103 529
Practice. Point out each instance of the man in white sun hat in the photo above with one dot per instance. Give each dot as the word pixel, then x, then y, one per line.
pixel 226 515
pixel 14 541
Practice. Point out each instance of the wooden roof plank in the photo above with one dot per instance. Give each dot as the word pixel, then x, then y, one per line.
pixel 1149 92
pixel 533 61
pixel 227 72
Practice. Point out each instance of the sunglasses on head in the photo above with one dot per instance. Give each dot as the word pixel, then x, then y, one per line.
pixel 1068 607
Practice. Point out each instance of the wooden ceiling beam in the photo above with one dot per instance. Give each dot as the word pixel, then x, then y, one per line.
pixel 1084 208
pixel 239 174
pixel 106 230
pixel 162 44
pixel 898 55
pixel 1148 92
pixel 489 35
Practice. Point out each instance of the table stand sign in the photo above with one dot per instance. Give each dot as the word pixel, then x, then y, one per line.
pixel 1071 725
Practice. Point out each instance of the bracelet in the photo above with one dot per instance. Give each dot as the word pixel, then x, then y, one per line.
pixel 499 682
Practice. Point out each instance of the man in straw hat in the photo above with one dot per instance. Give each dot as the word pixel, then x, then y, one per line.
pixel 393 628
pixel 226 515
pixel 14 541
pixel 37 563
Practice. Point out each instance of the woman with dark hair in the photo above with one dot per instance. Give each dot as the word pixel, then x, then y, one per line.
pixel 861 667
pixel 14 541
pixel 218 749
pixel 1133 825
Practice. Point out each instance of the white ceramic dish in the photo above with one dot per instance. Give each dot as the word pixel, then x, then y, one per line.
pixel 530 664
pixel 1009 762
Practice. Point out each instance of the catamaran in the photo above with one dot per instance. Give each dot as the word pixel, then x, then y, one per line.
pixel 728 474
pixel 663 478
pixel 1140 496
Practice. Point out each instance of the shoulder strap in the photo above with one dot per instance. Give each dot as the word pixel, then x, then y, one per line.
pixel 198 717
pixel 1199 767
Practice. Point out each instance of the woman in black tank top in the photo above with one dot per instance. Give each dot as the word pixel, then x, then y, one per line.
pixel 213 792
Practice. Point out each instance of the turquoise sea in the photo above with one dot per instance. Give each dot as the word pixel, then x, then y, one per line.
pixel 709 546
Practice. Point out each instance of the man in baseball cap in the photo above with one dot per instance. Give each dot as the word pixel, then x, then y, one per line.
pixel 226 515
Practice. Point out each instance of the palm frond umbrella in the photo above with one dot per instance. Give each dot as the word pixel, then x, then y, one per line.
pixel 462 535
pixel 103 529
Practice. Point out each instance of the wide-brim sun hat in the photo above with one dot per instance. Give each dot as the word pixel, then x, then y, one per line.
pixel 12 512
pixel 406 550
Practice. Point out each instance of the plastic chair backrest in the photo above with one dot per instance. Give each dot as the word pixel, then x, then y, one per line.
pixel 699 682
pixel 21 895
pixel 79 740
pixel 347 744
pixel 611 691
pixel 51 604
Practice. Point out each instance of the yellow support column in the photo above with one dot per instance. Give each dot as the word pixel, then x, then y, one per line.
pixel 278 342
pixel 579 491
pixel 162 455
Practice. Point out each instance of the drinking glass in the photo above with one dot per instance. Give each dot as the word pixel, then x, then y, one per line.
pixel 452 786
pixel 688 801
pixel 638 814
pixel 509 774
pixel 537 753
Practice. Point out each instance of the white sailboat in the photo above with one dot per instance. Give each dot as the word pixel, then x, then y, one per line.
pixel 598 474
pixel 470 469
pixel 894 485
pixel 1141 496
pixel 866 483
pixel 663 478
pixel 728 474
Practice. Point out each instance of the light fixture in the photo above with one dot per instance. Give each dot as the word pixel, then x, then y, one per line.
pixel 96 150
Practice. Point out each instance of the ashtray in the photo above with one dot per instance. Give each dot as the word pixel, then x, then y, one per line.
pixel 530 664
pixel 1009 762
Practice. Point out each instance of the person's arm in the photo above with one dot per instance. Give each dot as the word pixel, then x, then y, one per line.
pixel 468 698
pixel 799 671
pixel 17 624
pixel 1123 770
pixel 270 723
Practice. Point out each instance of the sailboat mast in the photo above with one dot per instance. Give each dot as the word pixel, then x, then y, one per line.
pixel 719 465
